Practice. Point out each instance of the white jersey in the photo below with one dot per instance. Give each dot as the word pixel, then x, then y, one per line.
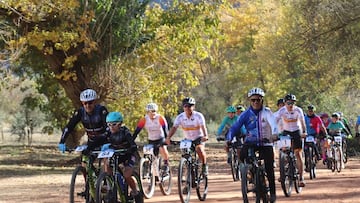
pixel 191 126
pixel 155 127
pixel 291 121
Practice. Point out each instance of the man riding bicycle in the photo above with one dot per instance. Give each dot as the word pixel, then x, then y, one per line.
pixel 93 118
pixel 314 125
pixel 261 130
pixel 193 124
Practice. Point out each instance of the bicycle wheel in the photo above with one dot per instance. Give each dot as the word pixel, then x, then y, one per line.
pixel 344 148
pixel 147 177
pixel 105 188
pixel 333 165
pixel 338 159
pixel 184 180
pixel 234 165
pixel 296 177
pixel 313 161
pixel 262 189
pixel 201 182
pixel 246 175
pixel 165 180
pixel 286 174
pixel 79 189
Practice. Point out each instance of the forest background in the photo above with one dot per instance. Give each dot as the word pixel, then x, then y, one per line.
pixel 134 52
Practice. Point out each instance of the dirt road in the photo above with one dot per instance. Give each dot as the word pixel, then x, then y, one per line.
pixel 41 174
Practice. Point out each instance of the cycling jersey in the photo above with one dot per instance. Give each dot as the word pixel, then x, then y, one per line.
pixel 336 128
pixel 291 119
pixel 191 126
pixel 259 124
pixel 156 128
pixel 313 124
pixel 94 123
pixel 226 123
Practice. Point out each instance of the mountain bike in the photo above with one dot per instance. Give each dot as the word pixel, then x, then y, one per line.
pixel 189 172
pixel 113 187
pixel 151 172
pixel 253 177
pixel 289 174
pixel 82 186
pixel 334 154
pixel 310 155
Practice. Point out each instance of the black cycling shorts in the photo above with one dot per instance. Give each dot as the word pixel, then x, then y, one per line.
pixel 297 144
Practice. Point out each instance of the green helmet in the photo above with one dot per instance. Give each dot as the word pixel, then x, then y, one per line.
pixel 230 109
pixel 114 117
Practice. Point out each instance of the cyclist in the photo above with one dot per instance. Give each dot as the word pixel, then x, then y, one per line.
pixel 93 118
pixel 314 125
pixel 261 129
pixel 345 122
pixel 193 125
pixel 239 109
pixel 280 103
pixel 157 129
pixel 336 126
pixel 293 120
pixel 121 138
pixel 227 123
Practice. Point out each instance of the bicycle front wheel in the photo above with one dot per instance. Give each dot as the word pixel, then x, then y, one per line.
pixel 165 180
pixel 286 177
pixel 147 178
pixel 201 183
pixel 105 188
pixel 338 159
pixel 262 189
pixel 79 189
pixel 234 163
pixel 184 180
pixel 313 161
pixel 245 182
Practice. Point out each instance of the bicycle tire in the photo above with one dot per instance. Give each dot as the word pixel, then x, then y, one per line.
pixel 296 177
pixel 201 181
pixel 313 164
pixel 165 180
pixel 262 192
pixel 234 164
pixel 79 189
pixel 286 179
pixel 338 159
pixel 105 188
pixel 245 172
pixel 184 180
pixel 333 165
pixel 147 177
pixel 344 148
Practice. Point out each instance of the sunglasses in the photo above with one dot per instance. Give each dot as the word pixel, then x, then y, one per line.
pixel 152 111
pixel 113 124
pixel 290 103
pixel 88 103
pixel 187 106
pixel 255 100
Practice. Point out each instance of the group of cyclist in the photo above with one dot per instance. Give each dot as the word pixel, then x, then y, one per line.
pixel 259 126
pixel 106 130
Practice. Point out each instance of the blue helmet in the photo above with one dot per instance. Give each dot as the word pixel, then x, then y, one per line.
pixel 114 117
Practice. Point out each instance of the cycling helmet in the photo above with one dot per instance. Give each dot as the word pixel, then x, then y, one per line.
pixel 230 109
pixel 240 107
pixel 290 97
pixel 280 101
pixel 151 107
pixel 188 100
pixel 324 115
pixel 340 114
pixel 256 91
pixel 335 115
pixel 88 95
pixel 311 107
pixel 113 117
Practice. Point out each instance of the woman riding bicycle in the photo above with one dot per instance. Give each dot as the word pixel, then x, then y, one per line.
pixel 260 136
pixel 121 138
pixel 157 128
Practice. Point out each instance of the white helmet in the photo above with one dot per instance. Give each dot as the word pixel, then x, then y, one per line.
pixel 151 107
pixel 256 91
pixel 88 95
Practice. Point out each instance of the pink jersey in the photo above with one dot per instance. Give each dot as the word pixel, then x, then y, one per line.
pixel 191 126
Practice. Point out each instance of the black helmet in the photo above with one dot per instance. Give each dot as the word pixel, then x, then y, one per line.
pixel 280 101
pixel 290 97
pixel 311 107
pixel 188 100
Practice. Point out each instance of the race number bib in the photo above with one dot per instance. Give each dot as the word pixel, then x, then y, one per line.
pixel 148 149
pixel 106 154
pixel 310 139
pixel 284 142
pixel 185 144
pixel 80 148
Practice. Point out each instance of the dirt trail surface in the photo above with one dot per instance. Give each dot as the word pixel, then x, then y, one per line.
pixel 41 174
